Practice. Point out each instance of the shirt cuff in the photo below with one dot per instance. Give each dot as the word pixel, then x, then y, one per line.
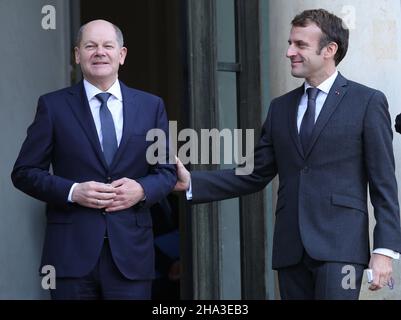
pixel 387 252
pixel 71 191
pixel 189 191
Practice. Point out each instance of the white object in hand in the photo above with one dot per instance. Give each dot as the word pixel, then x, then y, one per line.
pixel 369 273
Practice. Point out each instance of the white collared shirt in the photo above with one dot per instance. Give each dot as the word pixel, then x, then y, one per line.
pixel 324 88
pixel 115 105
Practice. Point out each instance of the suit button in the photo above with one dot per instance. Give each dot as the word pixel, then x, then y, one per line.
pixel 104 213
pixel 305 170
pixel 109 179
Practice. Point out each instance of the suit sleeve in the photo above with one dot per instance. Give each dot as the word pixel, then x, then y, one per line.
pixel 379 161
pixel 162 176
pixel 31 169
pixel 225 184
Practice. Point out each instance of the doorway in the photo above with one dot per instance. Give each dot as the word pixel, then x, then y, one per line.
pixel 155 36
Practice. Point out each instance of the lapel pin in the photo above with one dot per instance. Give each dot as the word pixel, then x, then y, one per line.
pixel 337 92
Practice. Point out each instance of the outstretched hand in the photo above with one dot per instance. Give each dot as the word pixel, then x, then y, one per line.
pixel 183 175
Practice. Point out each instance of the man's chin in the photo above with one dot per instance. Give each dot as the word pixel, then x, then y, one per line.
pixel 296 74
pixel 101 75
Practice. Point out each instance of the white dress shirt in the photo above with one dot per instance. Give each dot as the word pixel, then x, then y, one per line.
pixel 115 105
pixel 324 88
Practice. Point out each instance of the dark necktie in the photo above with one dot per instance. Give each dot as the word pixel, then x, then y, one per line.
pixel 308 120
pixel 108 130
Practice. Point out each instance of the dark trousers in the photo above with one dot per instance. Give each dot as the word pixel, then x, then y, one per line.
pixel 320 280
pixel 105 281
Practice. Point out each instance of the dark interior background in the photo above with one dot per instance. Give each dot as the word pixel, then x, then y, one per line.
pixel 155 37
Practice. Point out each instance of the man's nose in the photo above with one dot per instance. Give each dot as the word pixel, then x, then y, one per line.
pixel 291 52
pixel 99 50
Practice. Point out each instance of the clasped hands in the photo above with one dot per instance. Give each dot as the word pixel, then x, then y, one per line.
pixel 119 195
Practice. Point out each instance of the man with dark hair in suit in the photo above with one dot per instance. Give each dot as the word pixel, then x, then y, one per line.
pixel 328 141
pixel 99 227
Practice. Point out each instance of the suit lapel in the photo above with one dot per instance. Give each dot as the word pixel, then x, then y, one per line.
pixel 333 99
pixel 79 104
pixel 292 118
pixel 130 110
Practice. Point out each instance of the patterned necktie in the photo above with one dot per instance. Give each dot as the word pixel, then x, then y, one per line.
pixel 108 130
pixel 308 120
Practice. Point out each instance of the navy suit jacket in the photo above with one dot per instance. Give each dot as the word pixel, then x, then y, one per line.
pixel 64 136
pixel 322 194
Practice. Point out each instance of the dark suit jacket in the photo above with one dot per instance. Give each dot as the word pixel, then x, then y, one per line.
pixel 63 134
pixel 322 195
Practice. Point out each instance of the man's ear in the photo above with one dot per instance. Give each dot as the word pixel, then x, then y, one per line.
pixel 77 55
pixel 123 55
pixel 331 50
